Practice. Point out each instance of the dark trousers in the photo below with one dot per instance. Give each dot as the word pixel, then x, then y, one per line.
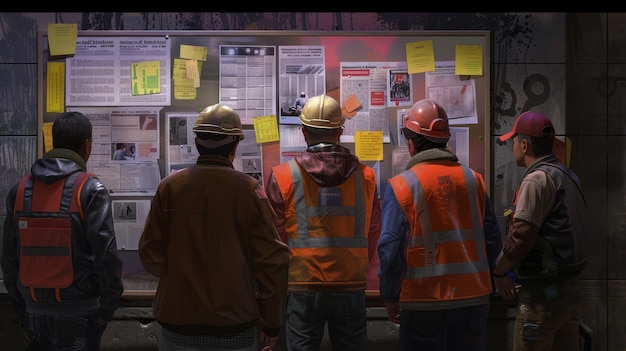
pixel 343 313
pixel 455 329
pixel 61 333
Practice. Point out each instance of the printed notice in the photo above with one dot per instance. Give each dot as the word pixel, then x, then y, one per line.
pixel 129 217
pixel 182 151
pixel 375 87
pixel 247 80
pixel 302 75
pixel 456 96
pixel 125 149
pixel 100 73
pixel 55 84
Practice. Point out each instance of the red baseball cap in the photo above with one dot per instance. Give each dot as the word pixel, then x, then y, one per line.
pixel 529 123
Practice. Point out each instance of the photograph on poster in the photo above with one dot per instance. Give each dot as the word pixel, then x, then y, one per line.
pixel 301 75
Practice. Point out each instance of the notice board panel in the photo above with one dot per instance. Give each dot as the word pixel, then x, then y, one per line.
pixel 260 73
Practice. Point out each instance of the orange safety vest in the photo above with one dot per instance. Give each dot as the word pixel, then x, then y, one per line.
pixel 42 212
pixel 444 203
pixel 327 227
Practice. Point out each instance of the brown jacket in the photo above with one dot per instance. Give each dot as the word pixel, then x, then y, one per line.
pixel 210 239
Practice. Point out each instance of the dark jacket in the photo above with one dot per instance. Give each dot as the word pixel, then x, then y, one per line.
pixel 209 237
pixel 97 284
pixel 565 227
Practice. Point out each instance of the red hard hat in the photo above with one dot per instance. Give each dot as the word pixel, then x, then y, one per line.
pixel 429 119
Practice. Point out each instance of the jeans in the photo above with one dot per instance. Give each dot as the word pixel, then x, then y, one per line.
pixel 65 333
pixel 171 341
pixel 342 313
pixel 455 329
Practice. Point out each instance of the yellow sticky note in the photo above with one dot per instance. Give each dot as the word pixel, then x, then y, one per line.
pixel 420 56
pixel 266 129
pixel 368 145
pixel 55 87
pixel 468 60
pixel 184 89
pixel 193 52
pixel 62 38
pixel 179 68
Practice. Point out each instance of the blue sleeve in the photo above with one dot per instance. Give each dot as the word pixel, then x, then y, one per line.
pixel 392 248
pixel 493 237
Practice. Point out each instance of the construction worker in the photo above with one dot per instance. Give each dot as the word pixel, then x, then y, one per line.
pixel 209 236
pixel 328 212
pixel 59 258
pixel 438 243
pixel 546 243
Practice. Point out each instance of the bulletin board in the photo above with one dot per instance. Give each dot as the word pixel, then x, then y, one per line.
pixel 261 73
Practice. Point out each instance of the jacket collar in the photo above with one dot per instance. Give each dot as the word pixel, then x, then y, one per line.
pixel 551 158
pixel 67 154
pixel 431 154
pixel 214 160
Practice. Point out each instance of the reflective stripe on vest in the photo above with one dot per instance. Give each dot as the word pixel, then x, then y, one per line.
pixel 304 212
pixel 439 275
pixel 327 228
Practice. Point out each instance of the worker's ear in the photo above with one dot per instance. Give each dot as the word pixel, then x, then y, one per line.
pixel 411 146
pixel 306 136
pixel 339 133
pixel 85 149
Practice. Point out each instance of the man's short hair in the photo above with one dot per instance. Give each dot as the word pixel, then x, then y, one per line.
pixel 321 131
pixel 541 146
pixel 70 130
pixel 420 141
pixel 222 150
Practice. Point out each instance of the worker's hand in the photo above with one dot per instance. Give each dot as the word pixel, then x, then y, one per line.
pixel 506 288
pixel 267 342
pixel 393 312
